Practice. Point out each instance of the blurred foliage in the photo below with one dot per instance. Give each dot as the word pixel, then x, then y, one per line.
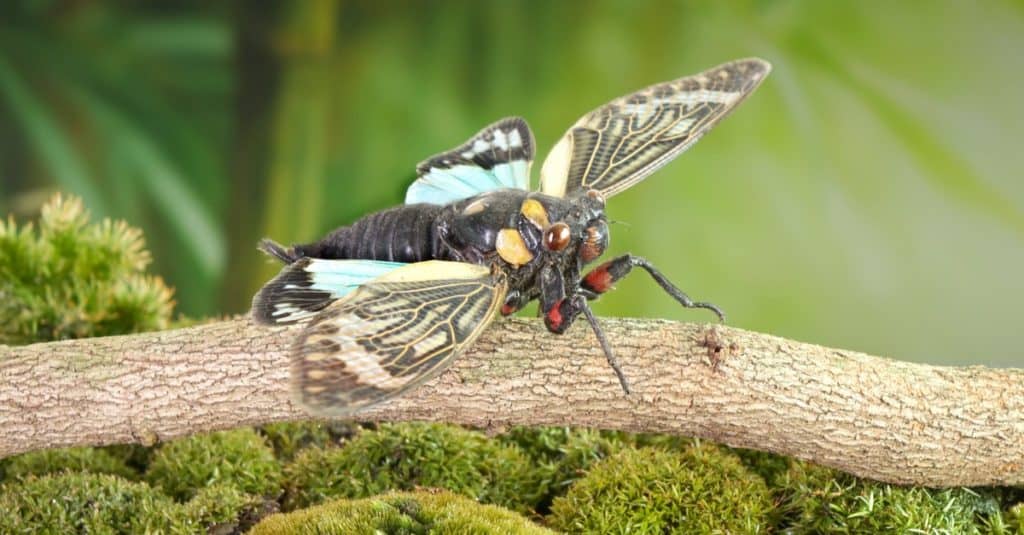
pixel 874 176
pixel 74 279
pixel 93 96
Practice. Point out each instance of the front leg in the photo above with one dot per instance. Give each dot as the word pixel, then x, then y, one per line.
pixel 602 278
pixel 560 311
pixel 557 311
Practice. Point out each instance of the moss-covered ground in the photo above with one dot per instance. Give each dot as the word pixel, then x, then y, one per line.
pixel 429 478
pixel 399 478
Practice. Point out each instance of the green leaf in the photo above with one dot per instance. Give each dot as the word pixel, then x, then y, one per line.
pixel 55 149
pixel 166 186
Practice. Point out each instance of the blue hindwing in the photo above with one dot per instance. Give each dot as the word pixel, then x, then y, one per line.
pixel 306 286
pixel 497 157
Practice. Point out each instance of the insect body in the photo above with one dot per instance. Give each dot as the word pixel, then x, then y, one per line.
pixel 390 300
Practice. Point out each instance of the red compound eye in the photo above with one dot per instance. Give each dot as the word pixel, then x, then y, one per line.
pixel 556 237
pixel 595 243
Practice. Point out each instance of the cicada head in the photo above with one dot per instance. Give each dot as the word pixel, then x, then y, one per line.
pixel 584 231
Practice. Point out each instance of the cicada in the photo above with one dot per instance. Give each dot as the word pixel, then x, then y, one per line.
pixel 391 300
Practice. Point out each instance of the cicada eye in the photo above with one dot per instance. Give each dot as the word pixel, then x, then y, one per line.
pixel 595 242
pixel 596 195
pixel 556 237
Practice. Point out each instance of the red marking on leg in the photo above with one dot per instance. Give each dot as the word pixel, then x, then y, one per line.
pixel 554 316
pixel 600 280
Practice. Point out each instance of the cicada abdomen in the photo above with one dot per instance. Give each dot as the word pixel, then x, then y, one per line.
pixel 405 234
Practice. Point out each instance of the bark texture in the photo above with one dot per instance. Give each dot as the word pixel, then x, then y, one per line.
pixel 874 417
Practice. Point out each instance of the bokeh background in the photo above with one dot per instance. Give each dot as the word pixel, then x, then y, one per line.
pixel 869 196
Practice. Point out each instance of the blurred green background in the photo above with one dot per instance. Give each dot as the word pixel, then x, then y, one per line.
pixel 869 196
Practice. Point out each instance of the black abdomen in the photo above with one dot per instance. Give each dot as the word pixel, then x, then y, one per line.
pixel 403 234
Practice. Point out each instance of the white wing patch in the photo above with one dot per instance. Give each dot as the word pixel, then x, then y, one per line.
pixel 302 289
pixel 497 157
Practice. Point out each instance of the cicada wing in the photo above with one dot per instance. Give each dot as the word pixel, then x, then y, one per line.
pixel 392 334
pixel 305 287
pixel 497 157
pixel 619 144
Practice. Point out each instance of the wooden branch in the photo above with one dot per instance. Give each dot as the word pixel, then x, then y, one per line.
pixel 876 418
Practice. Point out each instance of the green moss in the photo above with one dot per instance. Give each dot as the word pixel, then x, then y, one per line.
pixel 820 500
pixel 219 506
pixel 135 456
pixel 287 438
pixel 655 440
pixel 561 455
pixel 767 465
pixel 406 456
pixel 240 459
pixel 74 459
pixel 83 503
pixel 1015 519
pixel 439 513
pixel 549 443
pixel 73 502
pixel 75 279
pixel 1009 522
pixel 651 490
pixel 581 449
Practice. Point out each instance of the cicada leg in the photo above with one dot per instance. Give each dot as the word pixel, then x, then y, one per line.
pixel 603 277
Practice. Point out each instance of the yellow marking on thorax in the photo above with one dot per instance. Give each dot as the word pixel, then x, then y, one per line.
pixel 512 248
pixel 475 207
pixel 535 212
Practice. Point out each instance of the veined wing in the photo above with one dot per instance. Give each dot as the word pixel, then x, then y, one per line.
pixel 308 285
pixel 624 141
pixel 497 157
pixel 392 334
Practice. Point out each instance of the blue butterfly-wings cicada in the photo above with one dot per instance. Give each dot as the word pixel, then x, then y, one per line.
pixel 389 301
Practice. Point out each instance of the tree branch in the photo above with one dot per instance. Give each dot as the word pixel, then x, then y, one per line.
pixel 876 418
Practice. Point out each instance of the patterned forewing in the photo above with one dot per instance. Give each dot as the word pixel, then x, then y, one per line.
pixel 388 337
pixel 624 141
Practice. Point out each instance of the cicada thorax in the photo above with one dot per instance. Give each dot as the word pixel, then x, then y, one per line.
pixel 539 241
pixel 504 226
